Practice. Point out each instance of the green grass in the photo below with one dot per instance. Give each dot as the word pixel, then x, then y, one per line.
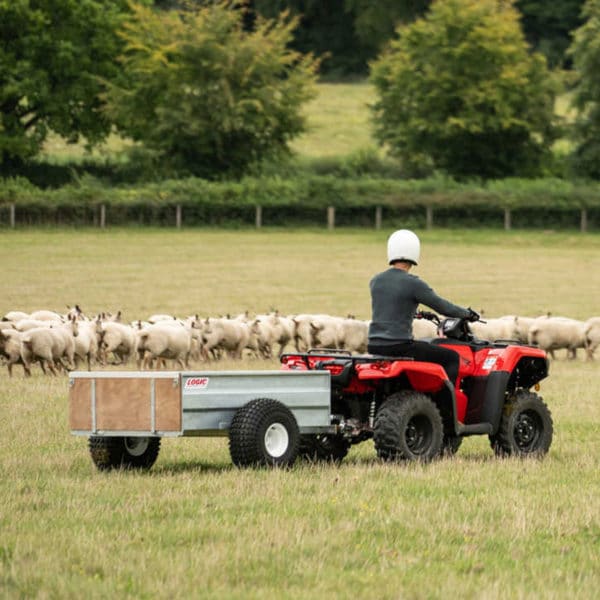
pixel 194 526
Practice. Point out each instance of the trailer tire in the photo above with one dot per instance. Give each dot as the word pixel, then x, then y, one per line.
pixel 124 452
pixel 408 426
pixel 526 427
pixel 264 432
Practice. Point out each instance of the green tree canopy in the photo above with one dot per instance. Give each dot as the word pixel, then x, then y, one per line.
pixel 586 98
pixel 52 55
pixel 459 90
pixel 206 96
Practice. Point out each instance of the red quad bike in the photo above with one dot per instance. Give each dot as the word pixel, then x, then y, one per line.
pixel 413 412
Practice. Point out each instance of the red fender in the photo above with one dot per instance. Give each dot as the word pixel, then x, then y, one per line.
pixel 423 376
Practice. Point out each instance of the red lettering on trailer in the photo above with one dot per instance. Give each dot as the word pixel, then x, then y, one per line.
pixel 196 383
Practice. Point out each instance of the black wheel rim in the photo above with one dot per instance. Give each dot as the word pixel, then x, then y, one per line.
pixel 418 434
pixel 528 430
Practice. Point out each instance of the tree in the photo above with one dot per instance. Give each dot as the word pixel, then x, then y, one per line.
pixel 206 96
pixel 459 90
pixel 548 26
pixel 347 34
pixel 585 51
pixel 52 54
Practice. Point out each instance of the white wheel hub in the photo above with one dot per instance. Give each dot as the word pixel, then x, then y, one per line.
pixel 277 440
pixel 136 446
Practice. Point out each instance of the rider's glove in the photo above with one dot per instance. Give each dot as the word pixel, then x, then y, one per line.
pixel 473 316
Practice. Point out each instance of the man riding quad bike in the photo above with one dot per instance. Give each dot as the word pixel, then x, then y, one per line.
pixel 419 399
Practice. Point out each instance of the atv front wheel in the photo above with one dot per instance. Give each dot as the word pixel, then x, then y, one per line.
pixel 408 426
pixel 124 452
pixel 263 432
pixel 526 427
pixel 323 447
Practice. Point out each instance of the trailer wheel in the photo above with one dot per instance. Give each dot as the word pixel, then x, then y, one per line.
pixel 408 426
pixel 124 452
pixel 323 447
pixel 263 432
pixel 526 427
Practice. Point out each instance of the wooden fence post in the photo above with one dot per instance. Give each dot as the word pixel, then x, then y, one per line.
pixel 429 217
pixel 258 217
pixel 507 219
pixel 331 217
pixel 584 221
pixel 178 216
pixel 12 217
pixel 378 217
pixel 102 216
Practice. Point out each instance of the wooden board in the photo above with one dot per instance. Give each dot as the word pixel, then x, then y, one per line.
pixel 80 405
pixel 168 405
pixel 125 404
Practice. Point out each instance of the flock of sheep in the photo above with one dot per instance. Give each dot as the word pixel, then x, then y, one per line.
pixel 62 341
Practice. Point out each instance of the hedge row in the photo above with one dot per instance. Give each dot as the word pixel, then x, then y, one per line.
pixel 305 200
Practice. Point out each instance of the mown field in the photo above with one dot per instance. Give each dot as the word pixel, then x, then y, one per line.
pixel 194 526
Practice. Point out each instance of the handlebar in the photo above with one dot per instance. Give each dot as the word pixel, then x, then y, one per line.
pixel 431 316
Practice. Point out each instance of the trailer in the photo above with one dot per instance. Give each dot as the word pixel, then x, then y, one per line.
pixel 264 413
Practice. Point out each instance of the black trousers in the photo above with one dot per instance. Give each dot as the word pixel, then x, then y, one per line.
pixel 423 351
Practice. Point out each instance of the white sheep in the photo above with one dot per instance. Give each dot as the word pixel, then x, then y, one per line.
pixel 27 324
pixel 115 338
pixel 46 315
pixel 554 333
pixel 354 334
pixel 326 332
pixel 423 329
pixel 501 328
pixel 10 349
pixel 15 315
pixel 86 343
pixel 592 336
pixel 229 335
pixel 50 346
pixel 160 341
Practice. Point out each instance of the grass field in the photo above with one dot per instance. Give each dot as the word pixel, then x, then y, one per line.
pixel 195 527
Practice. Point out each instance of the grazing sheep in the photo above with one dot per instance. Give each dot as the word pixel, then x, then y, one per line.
pixel 522 325
pixel 424 329
pixel 15 315
pixel 229 335
pixel 116 339
pixel 554 333
pixel 354 334
pixel 10 349
pixel 45 315
pixel 159 341
pixel 27 324
pixel 326 332
pixel 592 336
pixel 86 343
pixel 502 328
pixel 50 346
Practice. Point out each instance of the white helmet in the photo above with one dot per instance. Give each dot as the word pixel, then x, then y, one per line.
pixel 404 245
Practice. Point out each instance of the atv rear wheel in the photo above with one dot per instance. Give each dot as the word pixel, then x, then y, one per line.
pixel 526 427
pixel 263 432
pixel 124 452
pixel 408 426
pixel 323 447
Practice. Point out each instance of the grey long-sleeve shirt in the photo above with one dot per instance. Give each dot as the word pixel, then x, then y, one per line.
pixel 395 296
